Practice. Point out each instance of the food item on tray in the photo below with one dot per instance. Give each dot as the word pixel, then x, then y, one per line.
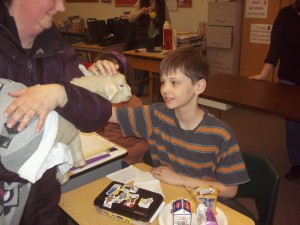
pixel 206 195
pixel 205 215
pixel 182 214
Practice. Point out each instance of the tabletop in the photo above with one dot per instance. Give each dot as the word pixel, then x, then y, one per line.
pixel 273 97
pixel 97 48
pixel 78 203
pixel 143 53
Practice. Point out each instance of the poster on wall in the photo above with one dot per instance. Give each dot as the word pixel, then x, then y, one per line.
pixel 260 33
pixel 184 3
pixel 256 9
pixel 124 3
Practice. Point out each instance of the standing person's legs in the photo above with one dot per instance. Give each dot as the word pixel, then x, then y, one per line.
pixel 293 147
pixel 292 130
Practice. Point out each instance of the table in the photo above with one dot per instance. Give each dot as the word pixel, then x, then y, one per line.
pixel 78 203
pixel 90 51
pixel 147 61
pixel 272 97
pixel 98 169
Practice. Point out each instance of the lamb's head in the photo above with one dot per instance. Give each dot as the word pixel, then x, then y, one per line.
pixel 114 88
pixel 118 90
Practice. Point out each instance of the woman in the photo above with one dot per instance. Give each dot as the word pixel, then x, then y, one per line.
pixel 33 52
pixel 139 34
pixel 140 15
pixel 285 46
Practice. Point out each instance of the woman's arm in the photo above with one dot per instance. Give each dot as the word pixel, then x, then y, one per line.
pixel 136 12
pixel 36 100
pixel 264 73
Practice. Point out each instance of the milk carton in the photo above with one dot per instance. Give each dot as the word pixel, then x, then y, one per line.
pixel 182 214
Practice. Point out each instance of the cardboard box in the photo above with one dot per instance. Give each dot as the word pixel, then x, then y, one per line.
pixel 182 214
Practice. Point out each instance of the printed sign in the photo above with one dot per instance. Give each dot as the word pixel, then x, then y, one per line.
pixel 260 33
pixel 256 9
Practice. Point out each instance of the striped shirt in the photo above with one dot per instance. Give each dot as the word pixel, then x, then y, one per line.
pixel 209 152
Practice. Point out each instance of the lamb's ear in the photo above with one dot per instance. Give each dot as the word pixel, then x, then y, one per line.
pixel 110 90
pixel 84 70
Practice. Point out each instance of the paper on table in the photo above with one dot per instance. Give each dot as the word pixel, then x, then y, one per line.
pixel 92 143
pixel 141 179
pixel 125 175
pixel 146 181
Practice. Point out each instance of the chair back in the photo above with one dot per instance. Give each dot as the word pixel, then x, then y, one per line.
pixel 263 186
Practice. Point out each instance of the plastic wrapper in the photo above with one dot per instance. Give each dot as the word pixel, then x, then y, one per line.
pixel 205 215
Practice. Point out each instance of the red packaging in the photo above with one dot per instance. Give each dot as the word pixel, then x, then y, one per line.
pixel 168 39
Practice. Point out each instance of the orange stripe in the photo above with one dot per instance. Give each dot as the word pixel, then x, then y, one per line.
pixel 191 164
pixel 216 130
pixel 231 168
pixel 230 151
pixel 164 118
pixel 148 120
pixel 185 145
pixel 151 142
pixel 132 121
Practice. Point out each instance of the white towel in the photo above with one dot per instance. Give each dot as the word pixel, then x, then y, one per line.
pixel 47 155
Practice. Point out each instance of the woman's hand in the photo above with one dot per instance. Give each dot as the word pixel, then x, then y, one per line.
pixel 144 10
pixel 36 100
pixel 167 175
pixel 258 77
pixel 104 68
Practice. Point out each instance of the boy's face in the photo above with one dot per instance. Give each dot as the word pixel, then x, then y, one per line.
pixel 178 90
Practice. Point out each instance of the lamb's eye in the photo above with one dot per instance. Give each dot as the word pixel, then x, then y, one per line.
pixel 121 85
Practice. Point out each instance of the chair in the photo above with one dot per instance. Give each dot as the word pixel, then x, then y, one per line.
pixel 147 158
pixel 263 188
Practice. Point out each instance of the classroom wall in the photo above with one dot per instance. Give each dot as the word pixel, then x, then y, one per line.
pixel 183 19
pixel 254 54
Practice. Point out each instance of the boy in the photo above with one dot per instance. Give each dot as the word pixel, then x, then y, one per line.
pixel 189 147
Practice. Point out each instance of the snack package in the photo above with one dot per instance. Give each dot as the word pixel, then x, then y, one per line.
pixel 205 215
pixel 207 196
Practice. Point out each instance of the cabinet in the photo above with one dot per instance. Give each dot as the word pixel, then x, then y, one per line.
pixel 223 37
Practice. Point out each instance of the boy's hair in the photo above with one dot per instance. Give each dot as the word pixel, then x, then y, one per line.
pixel 117 58
pixel 188 60
pixel 124 67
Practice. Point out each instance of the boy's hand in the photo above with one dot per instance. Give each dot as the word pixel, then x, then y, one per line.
pixel 167 175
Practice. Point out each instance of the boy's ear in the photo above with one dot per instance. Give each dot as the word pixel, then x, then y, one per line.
pixel 200 86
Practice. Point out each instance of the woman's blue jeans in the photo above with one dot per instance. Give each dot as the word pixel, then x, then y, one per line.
pixel 292 129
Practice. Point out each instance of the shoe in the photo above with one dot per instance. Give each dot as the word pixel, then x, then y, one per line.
pixel 294 173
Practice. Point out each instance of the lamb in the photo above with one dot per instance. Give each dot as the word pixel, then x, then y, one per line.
pixel 113 88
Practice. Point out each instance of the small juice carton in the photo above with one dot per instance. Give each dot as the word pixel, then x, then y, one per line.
pixel 182 214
